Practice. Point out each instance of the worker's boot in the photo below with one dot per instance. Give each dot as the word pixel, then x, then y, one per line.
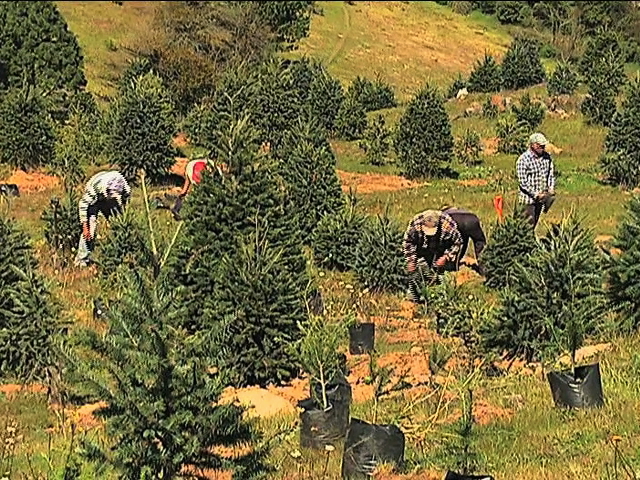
pixel 175 210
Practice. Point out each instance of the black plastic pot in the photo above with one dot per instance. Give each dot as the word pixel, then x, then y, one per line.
pixel 369 445
pixel 457 476
pixel 362 338
pixel 580 390
pixel 320 427
pixel 9 189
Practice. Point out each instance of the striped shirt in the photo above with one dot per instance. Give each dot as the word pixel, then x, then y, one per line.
pixel 448 240
pixel 535 175
pixel 103 186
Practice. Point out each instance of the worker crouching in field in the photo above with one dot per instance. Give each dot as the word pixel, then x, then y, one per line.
pixel 434 241
pixel 470 228
pixel 107 193
pixel 193 176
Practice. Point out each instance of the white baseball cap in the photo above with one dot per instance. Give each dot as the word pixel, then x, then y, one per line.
pixel 538 138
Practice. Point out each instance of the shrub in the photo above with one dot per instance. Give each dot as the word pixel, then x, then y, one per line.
pixel 489 109
pixel 621 162
pixel 376 141
pixel 468 148
pixel 528 113
pixel 512 136
pixel 563 81
pixel 28 136
pixel 516 13
pixel 521 66
pixel 423 140
pixel 337 237
pixel 380 264
pixel 486 76
pixel 62 229
pixel 372 95
pixel 351 121
pixel 598 107
pixel 28 315
pixel 602 64
pixel 289 20
pixel 554 300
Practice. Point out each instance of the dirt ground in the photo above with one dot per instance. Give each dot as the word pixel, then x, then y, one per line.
pixel 374 182
pixel 32 182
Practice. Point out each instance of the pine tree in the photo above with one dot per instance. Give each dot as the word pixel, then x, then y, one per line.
pixel 599 106
pixel 325 96
pixel 468 148
pixel 308 166
pixel 521 66
pixel 143 129
pixel 376 141
pixel 621 162
pixel 486 76
pixel 379 263
pixel 351 121
pixel 221 214
pixel 62 229
pixel 423 142
pixel 336 239
pixel 511 241
pixel 28 136
pixel 372 95
pixel 163 415
pixel 35 40
pixel 528 113
pixel 623 280
pixel 28 315
pixel 563 81
pixel 512 135
pixel 554 300
pixel 602 64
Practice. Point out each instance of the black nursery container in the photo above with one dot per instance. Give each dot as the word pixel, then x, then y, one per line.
pixel 320 427
pixel 368 445
pixel 580 390
pixel 362 338
pixel 457 476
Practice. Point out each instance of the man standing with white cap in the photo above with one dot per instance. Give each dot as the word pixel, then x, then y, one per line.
pixel 536 177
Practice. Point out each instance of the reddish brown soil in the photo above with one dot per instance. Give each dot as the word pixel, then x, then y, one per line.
pixel 374 182
pixel 490 146
pixel 33 182
pixel 12 389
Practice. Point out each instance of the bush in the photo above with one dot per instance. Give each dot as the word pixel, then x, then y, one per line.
pixel 372 95
pixel 143 129
pixel 621 162
pixel 28 136
pixel 380 264
pixel 28 316
pixel 376 141
pixel 289 20
pixel 552 301
pixel 423 140
pixel 337 237
pixel 161 401
pixel 521 66
pixel 563 81
pixel 515 13
pixel 602 64
pixel 623 280
pixel 489 109
pixel 351 121
pixel 511 241
pixel 486 76
pixel 62 229
pixel 468 148
pixel 512 136
pixel 529 114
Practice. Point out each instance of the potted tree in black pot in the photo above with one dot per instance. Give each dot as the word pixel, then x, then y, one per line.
pixel 325 415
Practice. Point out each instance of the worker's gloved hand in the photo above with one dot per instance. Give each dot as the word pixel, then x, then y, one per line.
pixel 441 262
pixel 411 267
pixel 86 232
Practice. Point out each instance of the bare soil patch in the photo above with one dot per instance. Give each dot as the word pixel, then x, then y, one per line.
pixel 33 182
pixel 374 182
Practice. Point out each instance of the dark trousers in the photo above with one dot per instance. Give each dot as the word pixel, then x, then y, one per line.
pixel 532 213
pixel 469 227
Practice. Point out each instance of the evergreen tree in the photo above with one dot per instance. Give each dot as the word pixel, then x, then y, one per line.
pixel 221 214
pixel 423 142
pixel 35 41
pixel 351 121
pixel 468 148
pixel 379 263
pixel 529 114
pixel 325 96
pixel 511 241
pixel 143 129
pixel 602 64
pixel 486 76
pixel 623 280
pixel 512 135
pixel 521 66
pixel 308 166
pixel 376 141
pixel 163 415
pixel 621 162
pixel 289 20
pixel 563 81
pixel 62 228
pixel 28 137
pixel 28 316
pixel 553 300
pixel 372 95
pixel 335 242
pixel 599 106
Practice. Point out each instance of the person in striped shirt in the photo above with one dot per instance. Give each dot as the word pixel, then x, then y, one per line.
pixel 107 193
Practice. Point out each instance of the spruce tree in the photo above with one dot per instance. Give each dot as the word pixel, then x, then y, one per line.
pixel 512 135
pixel 28 315
pixel 62 229
pixel 163 416
pixel 221 214
pixel 602 64
pixel 351 121
pixel 486 76
pixel 376 141
pixel 563 81
pixel 528 113
pixel 379 263
pixel 143 129
pixel 621 162
pixel 335 241
pixel 423 142
pixel 511 241
pixel 28 135
pixel 623 280
pixel 308 166
pixel 521 66
pixel 554 299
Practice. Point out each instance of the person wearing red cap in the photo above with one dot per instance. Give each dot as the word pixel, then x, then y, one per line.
pixel 192 175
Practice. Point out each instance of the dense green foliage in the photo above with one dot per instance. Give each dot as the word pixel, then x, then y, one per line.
pixel 376 141
pixel 62 228
pixel 486 76
pixel 563 80
pixel 529 113
pixel 351 121
pixel 521 66
pixel 372 96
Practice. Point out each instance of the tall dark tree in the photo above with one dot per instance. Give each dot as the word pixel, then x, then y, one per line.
pixel 521 66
